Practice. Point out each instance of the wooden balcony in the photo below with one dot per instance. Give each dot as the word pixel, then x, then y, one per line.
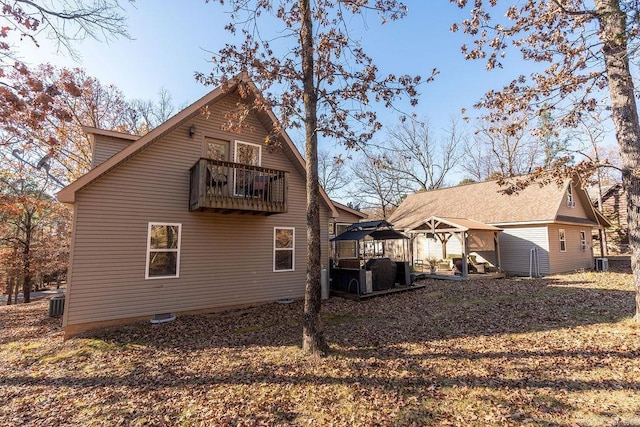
pixel 228 187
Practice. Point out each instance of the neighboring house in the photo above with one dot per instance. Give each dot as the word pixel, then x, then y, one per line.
pixel 614 207
pixel 544 228
pixel 346 217
pixel 190 218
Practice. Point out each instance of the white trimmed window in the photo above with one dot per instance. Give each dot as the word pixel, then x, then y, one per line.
pixel 283 248
pixel 583 240
pixel 248 153
pixel 563 240
pixel 163 250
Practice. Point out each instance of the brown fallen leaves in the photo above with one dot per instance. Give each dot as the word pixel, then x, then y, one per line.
pixel 561 350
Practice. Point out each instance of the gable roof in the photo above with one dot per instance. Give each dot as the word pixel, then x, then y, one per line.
pixel 266 117
pixel 484 202
pixel 435 223
pixel 345 208
pixel 606 191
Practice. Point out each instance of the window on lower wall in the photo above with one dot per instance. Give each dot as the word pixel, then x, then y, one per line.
pixel 283 248
pixel 163 250
pixel 583 240
pixel 563 240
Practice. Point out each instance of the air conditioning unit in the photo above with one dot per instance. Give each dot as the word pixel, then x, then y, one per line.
pixel 56 306
pixel 571 204
pixel 602 264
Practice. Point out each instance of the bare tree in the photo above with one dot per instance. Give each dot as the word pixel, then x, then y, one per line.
pixel 586 47
pixel 64 21
pixel 327 85
pixel 377 187
pixel 421 157
pixel 147 114
pixel 332 172
pixel 509 153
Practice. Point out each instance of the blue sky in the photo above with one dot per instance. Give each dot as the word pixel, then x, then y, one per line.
pixel 171 40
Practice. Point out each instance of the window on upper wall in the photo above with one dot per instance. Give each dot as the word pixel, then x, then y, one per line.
pixel 283 248
pixel 216 149
pixel 163 250
pixel 583 240
pixel 563 240
pixel 247 154
pixel 570 202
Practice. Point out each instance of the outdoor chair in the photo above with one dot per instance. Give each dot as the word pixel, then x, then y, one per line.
pixel 216 181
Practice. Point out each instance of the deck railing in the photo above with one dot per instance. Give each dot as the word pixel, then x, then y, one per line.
pixel 234 187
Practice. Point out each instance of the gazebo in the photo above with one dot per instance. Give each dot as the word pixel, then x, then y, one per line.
pixel 472 236
pixel 370 257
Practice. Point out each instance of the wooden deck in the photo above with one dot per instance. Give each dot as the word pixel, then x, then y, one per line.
pixel 374 294
pixel 227 187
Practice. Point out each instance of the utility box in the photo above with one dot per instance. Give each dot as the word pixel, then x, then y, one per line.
pixel 602 264
pixel 368 282
pixel 324 283
pixel 56 306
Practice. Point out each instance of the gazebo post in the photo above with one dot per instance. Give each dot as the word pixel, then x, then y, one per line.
pixel 443 243
pixel 465 248
pixel 496 240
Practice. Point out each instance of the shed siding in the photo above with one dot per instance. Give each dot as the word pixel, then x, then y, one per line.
pixel 225 260
pixel 515 248
pixel 578 211
pixel 574 257
pixel 105 147
pixel 346 217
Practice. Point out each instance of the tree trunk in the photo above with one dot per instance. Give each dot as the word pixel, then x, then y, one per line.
pixel 313 342
pixel 9 289
pixel 26 260
pixel 624 112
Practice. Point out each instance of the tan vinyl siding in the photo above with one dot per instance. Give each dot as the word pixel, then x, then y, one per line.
pixel 578 211
pixel 347 217
pixel 574 257
pixel 515 249
pixel 105 147
pixel 225 260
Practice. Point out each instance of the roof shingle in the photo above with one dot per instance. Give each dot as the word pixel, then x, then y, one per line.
pixel 484 202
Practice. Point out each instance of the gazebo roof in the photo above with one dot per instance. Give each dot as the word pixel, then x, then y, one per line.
pixel 436 224
pixel 377 230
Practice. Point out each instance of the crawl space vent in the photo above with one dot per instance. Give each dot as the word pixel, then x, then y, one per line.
pixel 163 317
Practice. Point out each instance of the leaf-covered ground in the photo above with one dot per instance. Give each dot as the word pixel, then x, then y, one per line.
pixel 558 351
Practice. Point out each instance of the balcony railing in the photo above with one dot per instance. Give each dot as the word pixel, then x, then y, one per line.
pixel 228 187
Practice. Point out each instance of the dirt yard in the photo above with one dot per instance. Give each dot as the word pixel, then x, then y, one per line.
pixel 558 351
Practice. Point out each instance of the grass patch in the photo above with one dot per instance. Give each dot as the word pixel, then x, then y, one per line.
pixel 254 328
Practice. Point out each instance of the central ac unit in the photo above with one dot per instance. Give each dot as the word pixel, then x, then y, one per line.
pixel 602 264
